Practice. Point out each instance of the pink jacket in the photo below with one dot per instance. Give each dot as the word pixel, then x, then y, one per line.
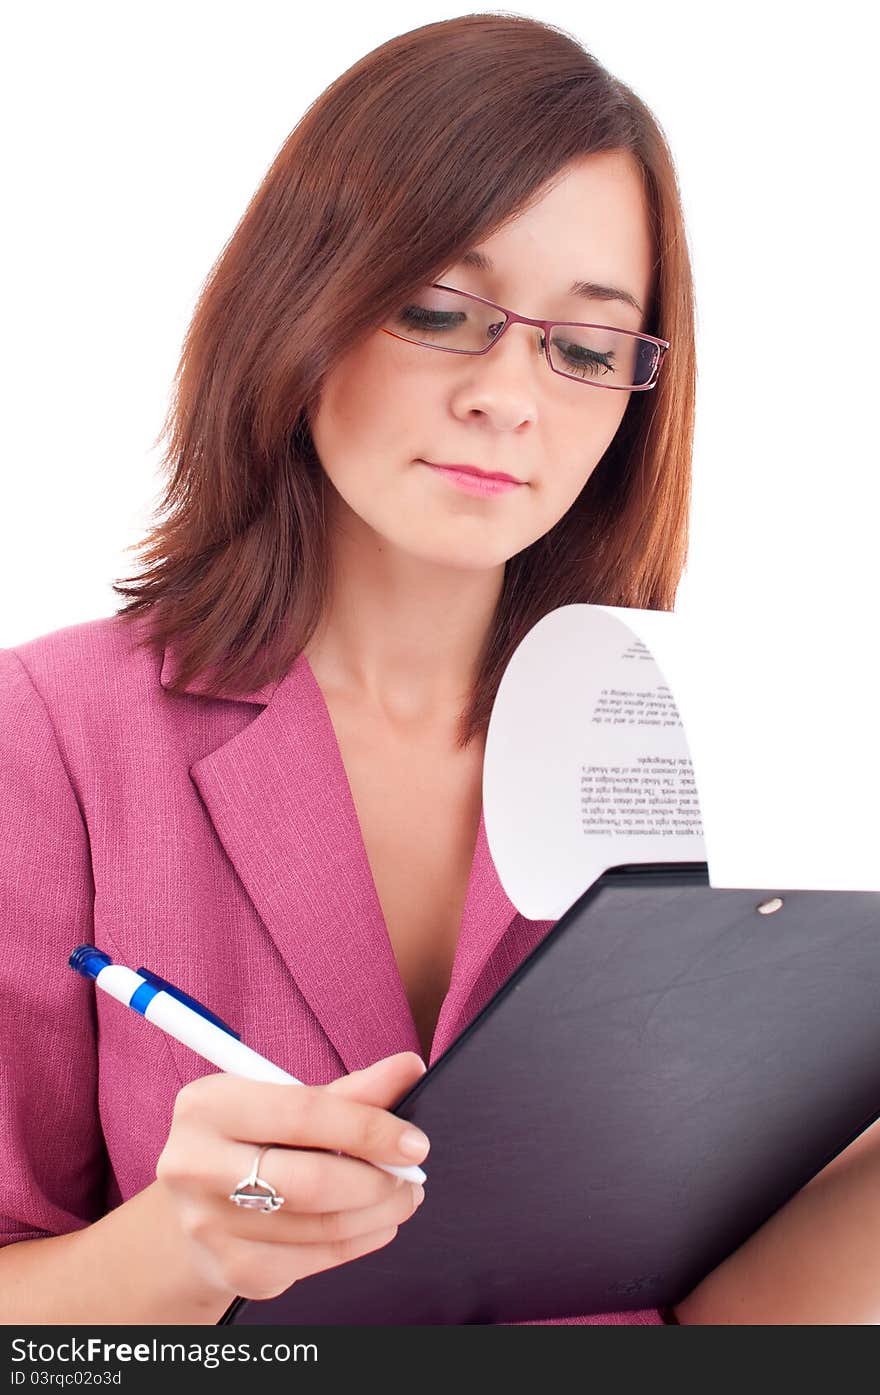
pixel 214 840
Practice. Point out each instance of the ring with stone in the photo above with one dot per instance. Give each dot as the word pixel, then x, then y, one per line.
pixel 254 1192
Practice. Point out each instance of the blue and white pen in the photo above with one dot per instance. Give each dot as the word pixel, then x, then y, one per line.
pixel 188 1021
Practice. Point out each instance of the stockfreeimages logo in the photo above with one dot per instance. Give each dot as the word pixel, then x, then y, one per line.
pixel 95 1350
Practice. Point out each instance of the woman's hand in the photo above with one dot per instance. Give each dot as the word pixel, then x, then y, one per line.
pixel 336 1208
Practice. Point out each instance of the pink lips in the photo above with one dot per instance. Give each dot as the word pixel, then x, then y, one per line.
pixel 474 481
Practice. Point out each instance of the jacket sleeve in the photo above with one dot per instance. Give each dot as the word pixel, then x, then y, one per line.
pixel 52 1154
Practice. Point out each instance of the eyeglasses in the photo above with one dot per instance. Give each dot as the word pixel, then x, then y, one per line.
pixel 584 352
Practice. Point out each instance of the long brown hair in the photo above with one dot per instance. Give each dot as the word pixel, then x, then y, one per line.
pixel 422 148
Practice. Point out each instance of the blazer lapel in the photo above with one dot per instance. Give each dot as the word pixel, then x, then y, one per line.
pixel 280 802
pixel 487 914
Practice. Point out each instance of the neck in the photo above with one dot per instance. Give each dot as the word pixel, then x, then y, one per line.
pixel 400 634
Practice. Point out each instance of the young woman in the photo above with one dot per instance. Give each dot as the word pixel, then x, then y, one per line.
pixel 262 779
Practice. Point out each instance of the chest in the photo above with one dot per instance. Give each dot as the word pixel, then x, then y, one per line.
pixel 418 802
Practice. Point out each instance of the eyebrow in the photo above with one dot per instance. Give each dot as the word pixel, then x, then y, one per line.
pixel 590 290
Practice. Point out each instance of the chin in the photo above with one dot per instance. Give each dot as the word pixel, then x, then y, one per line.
pixel 462 557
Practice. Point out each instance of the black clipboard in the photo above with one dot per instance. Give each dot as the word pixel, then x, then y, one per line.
pixel 662 1073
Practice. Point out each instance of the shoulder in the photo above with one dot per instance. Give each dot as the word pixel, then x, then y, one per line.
pixel 86 680
pixel 78 658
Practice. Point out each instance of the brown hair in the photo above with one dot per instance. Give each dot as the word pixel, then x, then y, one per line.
pixel 422 148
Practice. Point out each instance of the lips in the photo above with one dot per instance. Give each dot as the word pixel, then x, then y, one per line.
pixel 473 470
pixel 473 481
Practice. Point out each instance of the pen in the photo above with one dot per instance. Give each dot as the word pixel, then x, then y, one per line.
pixel 188 1021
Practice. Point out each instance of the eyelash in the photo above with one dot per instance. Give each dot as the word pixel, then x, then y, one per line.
pixel 433 319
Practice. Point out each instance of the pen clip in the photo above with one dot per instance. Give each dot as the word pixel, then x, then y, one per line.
pixel 178 993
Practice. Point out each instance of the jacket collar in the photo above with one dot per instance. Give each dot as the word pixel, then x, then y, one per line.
pixel 280 802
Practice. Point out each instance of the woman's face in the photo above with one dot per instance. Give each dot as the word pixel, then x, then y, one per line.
pixel 390 405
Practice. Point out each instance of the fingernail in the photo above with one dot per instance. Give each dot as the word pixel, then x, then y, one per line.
pixel 414 1143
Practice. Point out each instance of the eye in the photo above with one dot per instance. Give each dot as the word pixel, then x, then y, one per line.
pixel 430 319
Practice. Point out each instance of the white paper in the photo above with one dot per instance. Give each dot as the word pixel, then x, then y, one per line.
pixel 611 742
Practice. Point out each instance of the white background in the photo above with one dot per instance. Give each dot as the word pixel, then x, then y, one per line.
pixel 134 136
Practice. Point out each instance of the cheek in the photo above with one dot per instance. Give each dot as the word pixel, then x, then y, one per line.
pixel 337 429
pixel 362 415
pixel 582 445
pixel 339 413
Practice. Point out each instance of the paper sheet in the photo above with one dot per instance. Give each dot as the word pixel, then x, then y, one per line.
pixel 602 750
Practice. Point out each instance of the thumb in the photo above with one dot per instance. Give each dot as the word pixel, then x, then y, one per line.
pixel 384 1082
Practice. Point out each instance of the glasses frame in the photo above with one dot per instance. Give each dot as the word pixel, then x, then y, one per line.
pixel 512 318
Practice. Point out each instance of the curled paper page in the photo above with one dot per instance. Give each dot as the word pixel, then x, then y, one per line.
pixel 587 764
pixel 606 747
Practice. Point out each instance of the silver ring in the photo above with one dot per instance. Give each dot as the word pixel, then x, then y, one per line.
pixel 264 1196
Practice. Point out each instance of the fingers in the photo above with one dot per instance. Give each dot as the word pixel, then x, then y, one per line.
pixel 311 1180
pixel 296 1115
pixel 384 1082
pixel 322 1220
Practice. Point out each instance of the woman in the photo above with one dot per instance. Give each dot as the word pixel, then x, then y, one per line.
pixel 262 778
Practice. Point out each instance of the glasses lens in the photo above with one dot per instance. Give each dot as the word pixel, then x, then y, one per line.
pixel 446 320
pixel 602 355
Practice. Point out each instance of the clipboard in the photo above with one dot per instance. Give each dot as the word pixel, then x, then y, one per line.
pixel 663 1071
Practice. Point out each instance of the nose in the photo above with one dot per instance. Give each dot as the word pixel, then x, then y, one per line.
pixel 509 392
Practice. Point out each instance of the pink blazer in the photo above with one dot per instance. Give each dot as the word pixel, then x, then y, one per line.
pixel 214 840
